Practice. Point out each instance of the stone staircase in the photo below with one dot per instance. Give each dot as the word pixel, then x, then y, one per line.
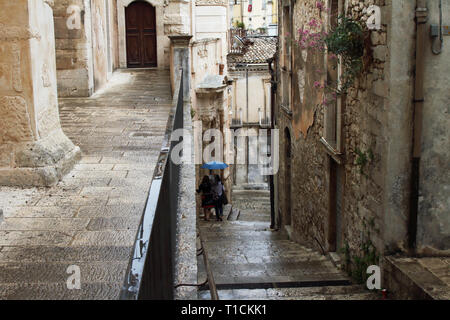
pixel 251 261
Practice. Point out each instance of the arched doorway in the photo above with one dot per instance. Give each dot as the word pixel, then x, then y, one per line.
pixel 287 176
pixel 140 21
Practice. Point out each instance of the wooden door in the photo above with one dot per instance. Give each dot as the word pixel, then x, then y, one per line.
pixel 141 35
pixel 336 192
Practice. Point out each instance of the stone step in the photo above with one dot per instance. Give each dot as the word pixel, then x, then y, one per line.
pixel 251 192
pixel 302 267
pixel 59 291
pixel 254 218
pixel 54 254
pixel 234 215
pixel 353 292
pixel 418 278
pixel 267 282
pixel 227 210
pixel 243 197
pixel 248 236
pixel 232 226
pixel 261 256
pixel 91 272
pixel 257 200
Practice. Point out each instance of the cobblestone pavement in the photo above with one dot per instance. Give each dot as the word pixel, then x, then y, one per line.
pixel 250 261
pixel 90 218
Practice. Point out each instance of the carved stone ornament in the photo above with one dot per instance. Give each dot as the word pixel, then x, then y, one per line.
pixel 211 3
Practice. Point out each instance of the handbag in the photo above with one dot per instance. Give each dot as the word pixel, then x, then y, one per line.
pixel 224 198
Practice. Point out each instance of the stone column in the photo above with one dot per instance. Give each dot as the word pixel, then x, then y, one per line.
pixel 180 59
pixel 34 151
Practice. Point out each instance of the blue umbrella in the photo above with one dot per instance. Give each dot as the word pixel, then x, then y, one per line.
pixel 214 165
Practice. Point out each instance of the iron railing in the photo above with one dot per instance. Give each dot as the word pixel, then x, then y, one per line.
pixel 233 46
pixel 150 273
pixel 264 120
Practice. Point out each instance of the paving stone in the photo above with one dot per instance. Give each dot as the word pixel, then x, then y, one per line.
pixel 89 218
pixel 59 291
pixel 52 224
pixel 41 212
pixel 73 200
pixel 20 238
pixel 31 253
pixel 114 223
pixel 120 210
pixel 102 238
pixel 57 272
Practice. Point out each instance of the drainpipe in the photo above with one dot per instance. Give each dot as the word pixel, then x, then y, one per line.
pixel 421 19
pixel 273 90
pixel 246 90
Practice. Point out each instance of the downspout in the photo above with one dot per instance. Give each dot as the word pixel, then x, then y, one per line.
pixel 246 92
pixel 242 11
pixel 273 90
pixel 421 19
pixel 247 120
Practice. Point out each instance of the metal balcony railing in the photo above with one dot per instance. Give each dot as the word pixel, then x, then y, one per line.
pixel 233 46
pixel 236 122
pixel 264 120
pixel 150 273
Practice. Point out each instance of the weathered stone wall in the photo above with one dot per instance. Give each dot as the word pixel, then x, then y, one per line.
pixel 206 57
pixel 302 122
pixel 398 87
pixel 73 48
pixel 376 137
pixel 211 21
pixel 99 43
pixel 433 234
pixel 115 35
pixel 210 98
pixel 34 150
pixel 368 152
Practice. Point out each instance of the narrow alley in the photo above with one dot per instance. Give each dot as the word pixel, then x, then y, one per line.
pixel 319 127
pixel 251 261
pixel 86 220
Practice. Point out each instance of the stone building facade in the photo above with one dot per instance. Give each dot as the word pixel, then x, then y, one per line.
pixel 248 69
pixel 258 15
pixel 71 48
pixel 33 148
pixel 349 165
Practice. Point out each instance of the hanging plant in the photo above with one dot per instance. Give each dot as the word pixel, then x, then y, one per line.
pixel 346 41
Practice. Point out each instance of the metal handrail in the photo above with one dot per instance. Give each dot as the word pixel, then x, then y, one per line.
pixel 150 272
pixel 209 275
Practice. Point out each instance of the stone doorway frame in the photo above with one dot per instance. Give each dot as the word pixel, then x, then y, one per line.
pixel 159 11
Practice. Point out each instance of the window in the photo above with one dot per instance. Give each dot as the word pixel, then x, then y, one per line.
pixel 333 110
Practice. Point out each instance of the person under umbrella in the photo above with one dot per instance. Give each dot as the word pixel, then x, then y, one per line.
pixel 218 190
pixel 205 189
